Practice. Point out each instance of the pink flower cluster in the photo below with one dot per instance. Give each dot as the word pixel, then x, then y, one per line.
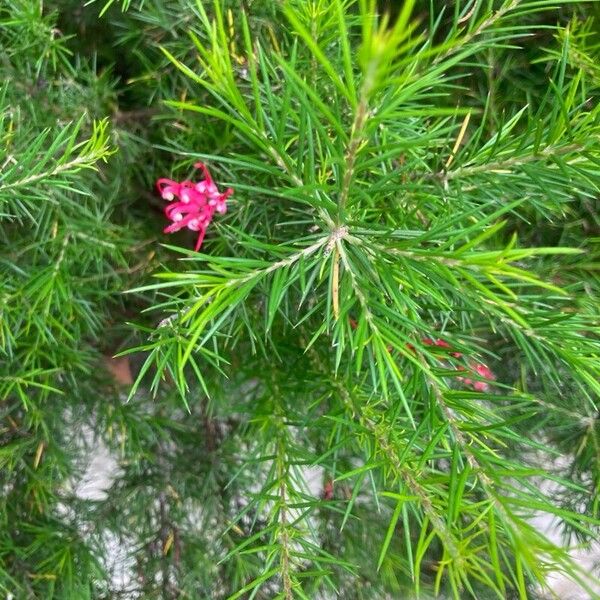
pixel 476 368
pixel 192 205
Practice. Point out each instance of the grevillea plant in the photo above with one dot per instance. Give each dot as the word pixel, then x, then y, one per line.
pixel 376 307
pixel 371 371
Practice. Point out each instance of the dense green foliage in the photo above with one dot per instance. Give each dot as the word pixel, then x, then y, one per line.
pixel 416 195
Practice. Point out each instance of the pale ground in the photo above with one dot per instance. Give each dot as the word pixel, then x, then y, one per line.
pixel 103 468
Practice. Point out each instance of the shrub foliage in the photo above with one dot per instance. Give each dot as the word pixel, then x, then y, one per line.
pixel 382 367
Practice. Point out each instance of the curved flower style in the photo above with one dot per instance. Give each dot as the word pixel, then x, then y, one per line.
pixel 192 204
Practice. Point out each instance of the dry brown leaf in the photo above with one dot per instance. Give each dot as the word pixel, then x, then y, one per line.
pixel 120 369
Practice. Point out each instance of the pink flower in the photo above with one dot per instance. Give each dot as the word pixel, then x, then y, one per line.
pixel 192 204
pixel 439 343
pixel 484 372
pixel 477 368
